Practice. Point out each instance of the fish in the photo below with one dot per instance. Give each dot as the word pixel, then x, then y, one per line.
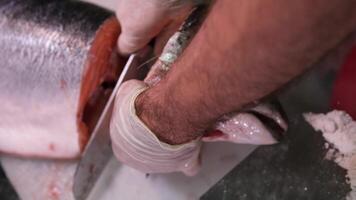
pixel 58 65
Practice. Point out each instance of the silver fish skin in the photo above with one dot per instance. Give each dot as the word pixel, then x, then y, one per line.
pixel 44 49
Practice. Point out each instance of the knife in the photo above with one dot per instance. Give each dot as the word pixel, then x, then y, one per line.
pixel 98 152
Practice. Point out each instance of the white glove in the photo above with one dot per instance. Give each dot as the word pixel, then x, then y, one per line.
pixel 135 145
pixel 142 20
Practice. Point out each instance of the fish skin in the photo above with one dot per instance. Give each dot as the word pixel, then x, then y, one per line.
pixel 45 47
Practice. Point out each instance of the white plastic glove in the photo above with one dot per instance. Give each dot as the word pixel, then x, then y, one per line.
pixel 142 20
pixel 135 145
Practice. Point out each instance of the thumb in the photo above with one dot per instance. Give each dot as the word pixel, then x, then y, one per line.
pixel 133 39
pixel 139 24
pixel 129 43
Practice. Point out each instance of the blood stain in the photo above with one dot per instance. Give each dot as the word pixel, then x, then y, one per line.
pixel 63 84
pixel 52 147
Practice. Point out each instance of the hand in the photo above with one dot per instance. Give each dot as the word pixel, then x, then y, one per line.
pixel 146 125
pixel 142 20
pixel 135 145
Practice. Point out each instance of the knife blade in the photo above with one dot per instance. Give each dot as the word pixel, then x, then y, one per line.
pixel 98 151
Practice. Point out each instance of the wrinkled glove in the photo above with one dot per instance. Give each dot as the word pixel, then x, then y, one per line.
pixel 135 145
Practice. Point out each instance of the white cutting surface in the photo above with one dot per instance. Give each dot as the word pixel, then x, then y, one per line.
pixel 51 180
pixel 122 182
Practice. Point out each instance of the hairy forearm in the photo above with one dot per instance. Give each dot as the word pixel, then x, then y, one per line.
pixel 244 51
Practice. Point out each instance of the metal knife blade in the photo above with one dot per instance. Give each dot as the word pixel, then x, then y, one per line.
pixel 98 151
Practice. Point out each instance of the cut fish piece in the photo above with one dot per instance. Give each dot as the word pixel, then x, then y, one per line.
pixel 57 61
pixel 263 124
